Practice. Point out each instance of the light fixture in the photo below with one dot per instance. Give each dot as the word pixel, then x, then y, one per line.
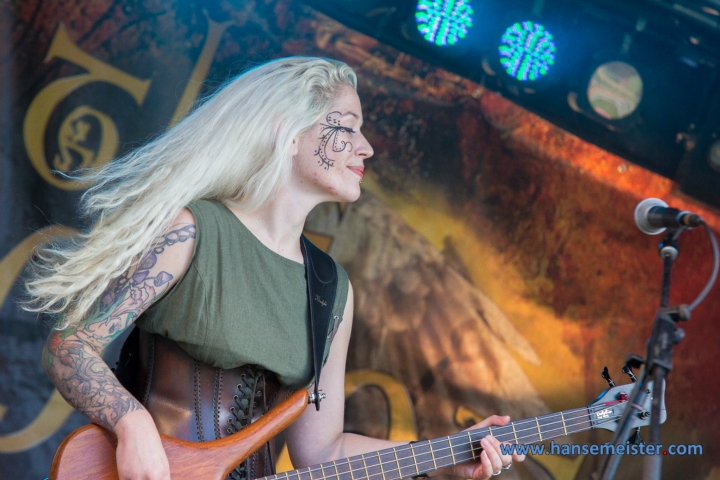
pixel 615 90
pixel 527 51
pixel 444 22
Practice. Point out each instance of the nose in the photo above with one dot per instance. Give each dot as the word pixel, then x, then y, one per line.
pixel 364 149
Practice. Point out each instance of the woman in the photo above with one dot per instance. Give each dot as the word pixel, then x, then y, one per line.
pixel 206 221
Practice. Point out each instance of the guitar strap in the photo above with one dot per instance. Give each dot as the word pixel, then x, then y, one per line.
pixel 322 279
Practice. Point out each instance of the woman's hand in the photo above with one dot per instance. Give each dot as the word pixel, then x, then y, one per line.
pixel 140 454
pixel 492 460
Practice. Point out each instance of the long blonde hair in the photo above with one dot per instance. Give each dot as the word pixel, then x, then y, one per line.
pixel 234 147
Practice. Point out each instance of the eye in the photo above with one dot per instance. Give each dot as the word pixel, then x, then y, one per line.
pixel 349 130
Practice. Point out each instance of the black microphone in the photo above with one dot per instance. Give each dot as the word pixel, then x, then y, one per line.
pixel 653 216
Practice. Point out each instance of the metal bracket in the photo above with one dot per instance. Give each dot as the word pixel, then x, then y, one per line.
pixel 316 400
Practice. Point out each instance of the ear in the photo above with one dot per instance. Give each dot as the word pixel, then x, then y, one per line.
pixel 295 148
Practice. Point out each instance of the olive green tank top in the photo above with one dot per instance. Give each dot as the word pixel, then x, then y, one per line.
pixel 240 303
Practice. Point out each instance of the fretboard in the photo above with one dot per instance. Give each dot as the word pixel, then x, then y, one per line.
pixel 425 456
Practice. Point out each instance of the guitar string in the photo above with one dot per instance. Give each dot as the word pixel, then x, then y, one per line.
pixel 384 475
pixel 400 449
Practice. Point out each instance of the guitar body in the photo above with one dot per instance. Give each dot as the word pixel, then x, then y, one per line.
pixel 89 451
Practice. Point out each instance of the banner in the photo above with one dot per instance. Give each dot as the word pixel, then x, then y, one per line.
pixel 495 262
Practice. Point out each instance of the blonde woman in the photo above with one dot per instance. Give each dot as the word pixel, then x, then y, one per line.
pixel 196 240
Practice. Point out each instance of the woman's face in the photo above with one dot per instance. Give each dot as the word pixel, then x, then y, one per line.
pixel 329 158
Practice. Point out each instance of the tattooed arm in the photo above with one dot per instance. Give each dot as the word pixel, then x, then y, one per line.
pixel 72 357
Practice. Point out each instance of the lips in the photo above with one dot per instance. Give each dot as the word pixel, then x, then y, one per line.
pixel 357 170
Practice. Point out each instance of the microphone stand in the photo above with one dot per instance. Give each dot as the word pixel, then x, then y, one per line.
pixel 658 362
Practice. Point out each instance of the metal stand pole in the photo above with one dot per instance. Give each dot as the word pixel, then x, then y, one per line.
pixel 658 363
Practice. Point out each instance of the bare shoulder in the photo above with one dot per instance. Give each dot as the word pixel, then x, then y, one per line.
pixel 349 305
pixel 172 251
pixel 185 217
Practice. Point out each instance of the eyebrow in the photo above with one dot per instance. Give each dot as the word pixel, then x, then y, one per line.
pixel 350 113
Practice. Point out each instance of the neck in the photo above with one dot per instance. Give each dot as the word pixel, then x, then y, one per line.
pixel 426 456
pixel 279 223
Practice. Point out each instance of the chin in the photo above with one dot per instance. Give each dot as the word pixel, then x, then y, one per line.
pixel 348 194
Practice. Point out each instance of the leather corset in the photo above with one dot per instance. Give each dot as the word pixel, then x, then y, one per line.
pixel 193 401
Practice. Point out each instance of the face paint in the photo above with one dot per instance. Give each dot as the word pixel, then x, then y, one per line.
pixel 330 133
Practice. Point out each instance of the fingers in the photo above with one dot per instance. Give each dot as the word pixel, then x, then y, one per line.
pixel 492 459
pixel 491 421
pixel 517 457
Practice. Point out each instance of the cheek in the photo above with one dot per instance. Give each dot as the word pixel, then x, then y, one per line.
pixel 327 179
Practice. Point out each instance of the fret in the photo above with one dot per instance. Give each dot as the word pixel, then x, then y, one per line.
pixel 397 462
pixel 323 471
pixel 512 424
pixel 300 474
pixel 406 460
pixel 391 464
pixel 525 429
pixel 425 459
pixel 550 426
pixel 337 474
pixel 503 434
pixel 412 450
pixel 367 472
pixel 538 428
pixel 459 449
pixel 562 417
pixel 490 430
pixel 441 447
pixel 343 468
pixel 463 451
pixel 350 467
pixel 472 449
pixel 380 462
pixel 432 455
pixel 373 465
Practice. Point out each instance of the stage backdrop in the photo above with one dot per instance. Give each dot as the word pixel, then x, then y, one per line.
pixel 494 258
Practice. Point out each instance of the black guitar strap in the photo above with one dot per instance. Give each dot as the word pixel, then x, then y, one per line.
pixel 322 279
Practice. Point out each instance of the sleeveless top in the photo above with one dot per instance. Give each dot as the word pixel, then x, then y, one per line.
pixel 239 303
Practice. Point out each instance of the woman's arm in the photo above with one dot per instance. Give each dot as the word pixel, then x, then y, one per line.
pixel 72 357
pixel 317 436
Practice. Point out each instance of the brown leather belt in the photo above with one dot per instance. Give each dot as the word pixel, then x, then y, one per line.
pixel 196 402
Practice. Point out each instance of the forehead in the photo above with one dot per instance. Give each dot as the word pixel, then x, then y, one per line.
pixel 347 103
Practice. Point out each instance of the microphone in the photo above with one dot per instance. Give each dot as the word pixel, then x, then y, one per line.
pixel 653 216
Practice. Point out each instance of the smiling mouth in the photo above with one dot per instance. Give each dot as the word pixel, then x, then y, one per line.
pixel 357 170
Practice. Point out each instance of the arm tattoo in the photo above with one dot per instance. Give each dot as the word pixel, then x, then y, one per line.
pixel 72 357
pixel 331 131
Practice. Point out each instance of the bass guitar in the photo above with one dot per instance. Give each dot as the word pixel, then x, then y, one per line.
pixel 89 452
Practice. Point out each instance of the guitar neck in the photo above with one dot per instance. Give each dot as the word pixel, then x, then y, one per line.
pixel 425 456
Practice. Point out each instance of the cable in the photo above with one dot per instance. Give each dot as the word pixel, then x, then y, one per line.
pixel 716 266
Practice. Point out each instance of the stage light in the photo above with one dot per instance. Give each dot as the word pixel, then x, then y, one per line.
pixel 527 51
pixel 615 90
pixel 444 22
